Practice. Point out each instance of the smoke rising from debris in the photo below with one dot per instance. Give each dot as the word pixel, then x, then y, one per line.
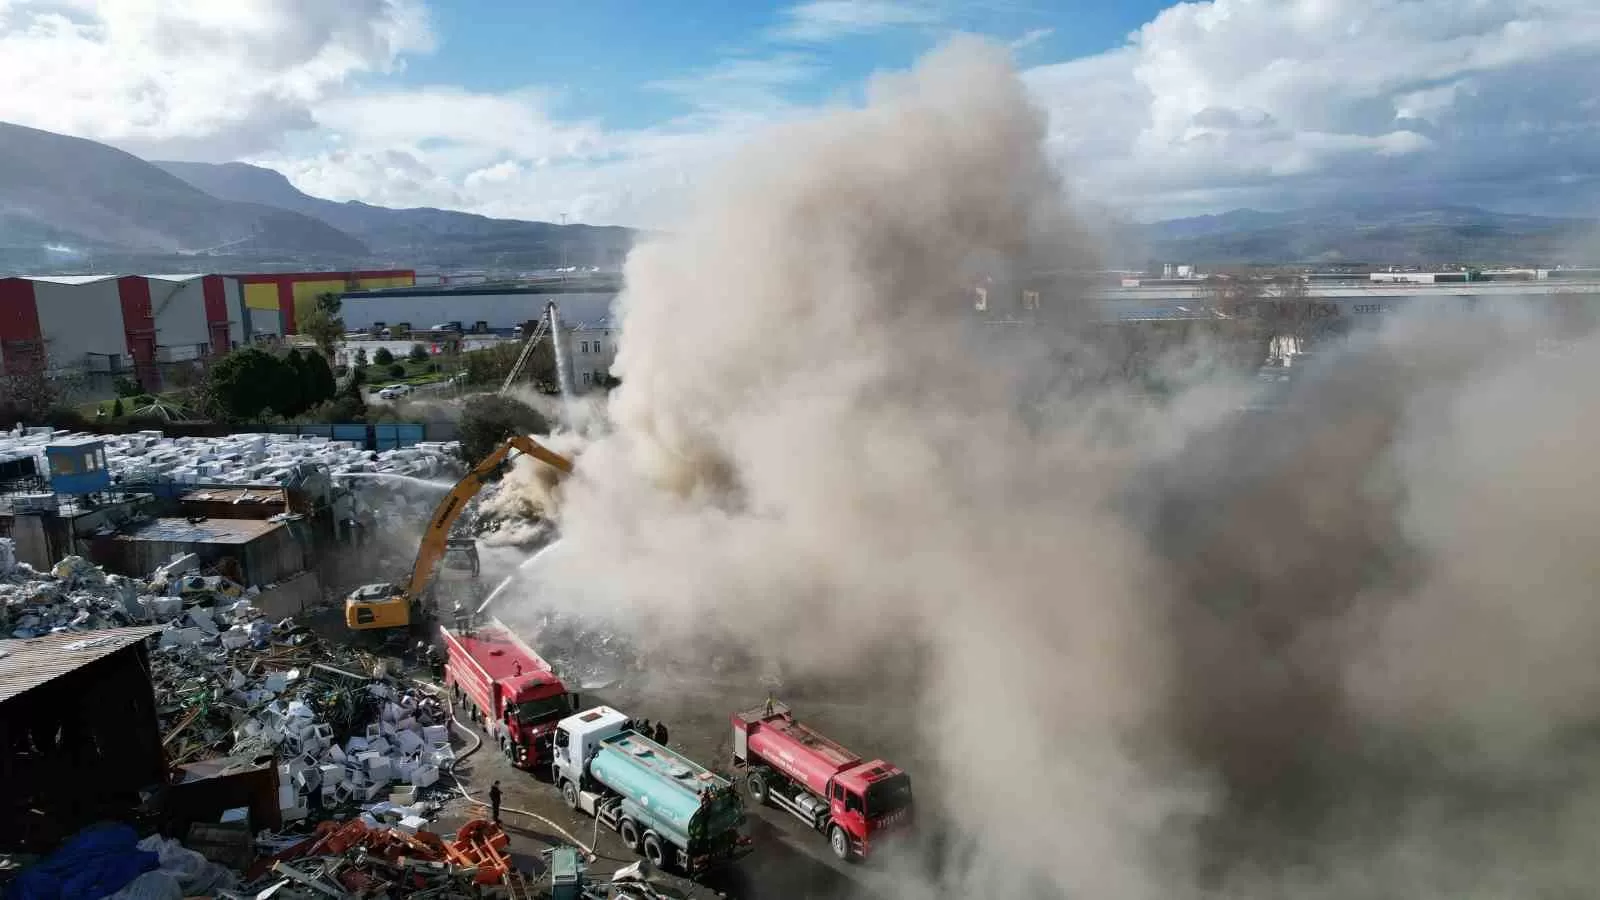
pixel 1156 648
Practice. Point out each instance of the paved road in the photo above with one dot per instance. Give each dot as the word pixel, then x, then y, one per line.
pixel 789 862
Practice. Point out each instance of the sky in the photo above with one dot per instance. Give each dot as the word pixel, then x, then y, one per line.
pixel 611 112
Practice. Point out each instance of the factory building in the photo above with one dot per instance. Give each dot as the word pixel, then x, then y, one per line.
pixel 480 308
pixel 87 331
pixel 274 303
pixel 93 329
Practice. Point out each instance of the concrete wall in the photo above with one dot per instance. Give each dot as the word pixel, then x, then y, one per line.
pixel 591 353
pixel 180 314
pixel 79 319
pixel 33 542
pixel 290 597
pixel 501 311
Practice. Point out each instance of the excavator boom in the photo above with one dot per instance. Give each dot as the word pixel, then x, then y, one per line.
pixel 436 539
pixel 367 608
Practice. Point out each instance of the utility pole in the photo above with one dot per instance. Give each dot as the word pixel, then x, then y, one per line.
pixel 563 246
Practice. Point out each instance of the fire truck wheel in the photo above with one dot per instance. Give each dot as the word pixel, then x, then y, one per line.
pixel 629 833
pixel 569 793
pixel 840 842
pixel 653 850
pixel 758 787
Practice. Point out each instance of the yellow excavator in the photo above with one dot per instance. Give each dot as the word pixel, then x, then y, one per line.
pixel 374 607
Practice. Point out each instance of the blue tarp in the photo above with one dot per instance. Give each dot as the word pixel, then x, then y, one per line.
pixel 93 863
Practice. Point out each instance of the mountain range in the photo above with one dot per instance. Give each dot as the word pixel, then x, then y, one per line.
pixel 69 204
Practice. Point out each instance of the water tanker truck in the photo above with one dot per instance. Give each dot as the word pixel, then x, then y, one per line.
pixel 508 687
pixel 662 804
pixel 855 803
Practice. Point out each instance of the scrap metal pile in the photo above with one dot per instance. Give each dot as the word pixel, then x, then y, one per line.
pixel 74 596
pixel 147 457
pixel 359 750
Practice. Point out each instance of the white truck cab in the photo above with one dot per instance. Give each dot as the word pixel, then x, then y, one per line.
pixel 579 735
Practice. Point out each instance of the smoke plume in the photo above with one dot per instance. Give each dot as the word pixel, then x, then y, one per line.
pixel 1151 647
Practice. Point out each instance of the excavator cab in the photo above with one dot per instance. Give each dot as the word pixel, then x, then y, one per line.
pixel 377 606
pixel 461 554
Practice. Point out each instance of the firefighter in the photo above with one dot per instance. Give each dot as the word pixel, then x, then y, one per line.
pixel 494 801
pixel 661 733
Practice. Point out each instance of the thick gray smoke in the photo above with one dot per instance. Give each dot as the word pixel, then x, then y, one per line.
pixel 1150 648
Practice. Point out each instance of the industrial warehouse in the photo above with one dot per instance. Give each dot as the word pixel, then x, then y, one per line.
pixel 90 330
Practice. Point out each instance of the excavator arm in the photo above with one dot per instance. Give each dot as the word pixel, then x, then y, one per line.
pixel 436 539
pixel 376 607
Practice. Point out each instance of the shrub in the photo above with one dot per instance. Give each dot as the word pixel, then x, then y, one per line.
pixel 488 419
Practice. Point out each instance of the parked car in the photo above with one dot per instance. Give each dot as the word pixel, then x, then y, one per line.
pixel 395 392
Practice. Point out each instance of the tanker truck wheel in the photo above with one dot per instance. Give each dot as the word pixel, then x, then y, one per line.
pixel 758 787
pixel 653 850
pixel 629 833
pixel 840 842
pixel 569 793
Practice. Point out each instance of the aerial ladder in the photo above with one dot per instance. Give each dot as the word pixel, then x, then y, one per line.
pixel 539 332
pixel 383 606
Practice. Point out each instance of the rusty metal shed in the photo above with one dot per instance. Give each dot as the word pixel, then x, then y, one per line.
pixel 235 502
pixel 79 732
pixel 267 552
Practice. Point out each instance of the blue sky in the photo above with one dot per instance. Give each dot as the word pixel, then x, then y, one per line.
pixel 613 112
pixel 602 58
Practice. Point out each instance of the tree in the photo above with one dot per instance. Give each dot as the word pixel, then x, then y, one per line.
pixel 297 379
pixel 419 353
pixel 116 409
pixel 317 381
pixel 360 359
pixel 323 324
pixel 488 419
pixel 383 357
pixel 250 383
pixel 396 370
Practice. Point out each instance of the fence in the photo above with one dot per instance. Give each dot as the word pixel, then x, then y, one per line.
pixel 384 436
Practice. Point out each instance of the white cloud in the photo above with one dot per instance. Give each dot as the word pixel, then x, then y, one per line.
pixel 1285 102
pixel 192 77
pixel 1031 37
pixel 742 84
pixel 819 21
pixel 1210 105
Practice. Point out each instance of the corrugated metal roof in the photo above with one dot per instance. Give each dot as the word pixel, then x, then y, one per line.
pixel 210 531
pixel 28 663
pixel 69 279
pixel 242 495
pixel 188 276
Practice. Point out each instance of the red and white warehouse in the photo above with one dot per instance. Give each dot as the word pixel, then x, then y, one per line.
pixel 89 330
pixel 105 326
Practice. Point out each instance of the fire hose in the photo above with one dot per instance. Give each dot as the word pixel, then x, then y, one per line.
pixel 477 744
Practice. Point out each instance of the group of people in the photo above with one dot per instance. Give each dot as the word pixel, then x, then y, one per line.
pixel 658 733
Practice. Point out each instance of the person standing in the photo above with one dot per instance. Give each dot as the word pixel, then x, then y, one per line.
pixel 661 733
pixel 494 802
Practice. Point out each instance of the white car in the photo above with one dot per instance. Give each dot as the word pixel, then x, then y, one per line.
pixel 395 392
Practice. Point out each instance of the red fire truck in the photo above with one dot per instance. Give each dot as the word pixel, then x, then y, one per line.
pixel 508 687
pixel 854 802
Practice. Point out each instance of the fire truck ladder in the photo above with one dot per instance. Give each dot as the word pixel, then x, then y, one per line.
pixel 539 331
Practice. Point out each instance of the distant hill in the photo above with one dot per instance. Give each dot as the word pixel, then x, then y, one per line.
pixel 68 204
pixel 441 237
pixel 1369 233
pixel 68 195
